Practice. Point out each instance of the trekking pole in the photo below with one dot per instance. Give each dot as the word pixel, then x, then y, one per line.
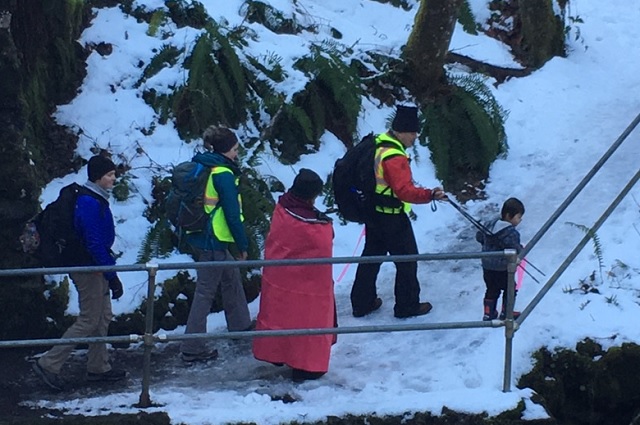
pixel 527 272
pixel 536 269
pixel 486 231
pixel 473 221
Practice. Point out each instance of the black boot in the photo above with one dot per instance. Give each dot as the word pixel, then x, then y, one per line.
pixel 503 312
pixel 490 311
pixel 300 375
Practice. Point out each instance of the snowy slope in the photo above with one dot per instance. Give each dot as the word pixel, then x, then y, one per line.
pixel 562 119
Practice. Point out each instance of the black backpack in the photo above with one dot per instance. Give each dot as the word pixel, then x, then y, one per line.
pixel 354 183
pixel 184 206
pixel 51 236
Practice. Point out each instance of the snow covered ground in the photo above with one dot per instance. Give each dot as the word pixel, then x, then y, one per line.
pixel 562 119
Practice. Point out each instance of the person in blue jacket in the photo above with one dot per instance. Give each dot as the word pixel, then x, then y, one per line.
pixel 223 204
pixel 94 224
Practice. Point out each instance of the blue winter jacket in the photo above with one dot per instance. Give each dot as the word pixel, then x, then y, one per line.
pixel 94 223
pixel 225 184
pixel 505 236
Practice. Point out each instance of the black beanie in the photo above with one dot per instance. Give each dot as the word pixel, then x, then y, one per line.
pixel 307 184
pixel 406 120
pixel 98 167
pixel 220 139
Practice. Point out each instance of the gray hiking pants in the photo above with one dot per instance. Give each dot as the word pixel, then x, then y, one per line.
pixel 93 320
pixel 234 301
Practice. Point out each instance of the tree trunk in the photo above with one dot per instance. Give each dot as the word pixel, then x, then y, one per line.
pixel 427 47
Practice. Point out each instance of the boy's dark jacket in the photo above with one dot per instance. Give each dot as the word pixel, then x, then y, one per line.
pixel 228 200
pixel 504 236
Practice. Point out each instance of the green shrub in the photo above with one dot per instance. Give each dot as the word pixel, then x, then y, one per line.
pixel 465 130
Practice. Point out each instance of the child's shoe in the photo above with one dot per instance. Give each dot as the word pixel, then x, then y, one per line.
pixel 503 315
pixel 503 312
pixel 490 311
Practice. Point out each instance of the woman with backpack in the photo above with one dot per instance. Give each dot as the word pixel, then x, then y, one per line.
pixel 223 208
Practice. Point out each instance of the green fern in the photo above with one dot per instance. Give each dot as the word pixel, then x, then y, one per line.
pixel 166 56
pixel 270 65
pixel 157 242
pixel 301 119
pixel 465 130
pixel 270 18
pixel 466 18
pixel 157 18
pixel 216 91
pixel 331 101
pixel 597 245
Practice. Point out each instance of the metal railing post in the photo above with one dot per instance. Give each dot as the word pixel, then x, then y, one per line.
pixel 509 328
pixel 145 398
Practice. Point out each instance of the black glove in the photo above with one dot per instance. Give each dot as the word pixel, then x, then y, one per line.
pixel 116 288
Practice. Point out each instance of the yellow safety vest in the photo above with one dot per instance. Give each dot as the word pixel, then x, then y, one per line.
pixel 218 220
pixel 387 146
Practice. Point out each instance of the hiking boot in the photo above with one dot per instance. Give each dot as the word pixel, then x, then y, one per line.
pixel 251 327
pixel 423 308
pixel 203 356
pixel 489 317
pixel 377 303
pixel 108 376
pixel 300 375
pixel 490 312
pixel 503 315
pixel 53 380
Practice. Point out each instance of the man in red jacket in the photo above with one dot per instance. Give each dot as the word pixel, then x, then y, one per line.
pixel 389 230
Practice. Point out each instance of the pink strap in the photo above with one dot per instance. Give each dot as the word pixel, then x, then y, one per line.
pixel 520 273
pixel 346 266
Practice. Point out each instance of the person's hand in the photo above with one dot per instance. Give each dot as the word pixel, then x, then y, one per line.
pixel 116 288
pixel 438 194
pixel 243 256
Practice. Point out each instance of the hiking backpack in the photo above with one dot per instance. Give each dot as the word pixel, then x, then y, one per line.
pixel 354 182
pixel 184 206
pixel 51 236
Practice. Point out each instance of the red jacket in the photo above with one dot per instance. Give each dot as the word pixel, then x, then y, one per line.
pixel 397 174
pixel 295 297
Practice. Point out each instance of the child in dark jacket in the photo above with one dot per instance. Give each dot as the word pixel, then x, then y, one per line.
pixel 494 270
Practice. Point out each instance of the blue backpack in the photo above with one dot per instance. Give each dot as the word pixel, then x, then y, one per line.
pixel 184 206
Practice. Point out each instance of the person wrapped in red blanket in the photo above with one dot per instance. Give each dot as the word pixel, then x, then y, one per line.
pixel 298 297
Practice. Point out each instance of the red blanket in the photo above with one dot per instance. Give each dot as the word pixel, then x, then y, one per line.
pixel 295 297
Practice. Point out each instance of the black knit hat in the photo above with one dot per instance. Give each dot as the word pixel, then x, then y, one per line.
pixel 406 120
pixel 99 166
pixel 219 139
pixel 307 184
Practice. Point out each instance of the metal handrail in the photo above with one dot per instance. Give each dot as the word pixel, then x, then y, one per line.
pixel 565 264
pixel 251 263
pixel 149 339
pixel 574 193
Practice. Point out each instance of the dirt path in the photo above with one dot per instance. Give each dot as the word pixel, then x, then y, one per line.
pixel 21 389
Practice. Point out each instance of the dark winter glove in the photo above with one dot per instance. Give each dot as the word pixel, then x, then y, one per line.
pixel 116 288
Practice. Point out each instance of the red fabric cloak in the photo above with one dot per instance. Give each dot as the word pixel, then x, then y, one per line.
pixel 295 297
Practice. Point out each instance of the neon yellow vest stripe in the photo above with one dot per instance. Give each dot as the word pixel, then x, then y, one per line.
pixel 218 220
pixel 383 151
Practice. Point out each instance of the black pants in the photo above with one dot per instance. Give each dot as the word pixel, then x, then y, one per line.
pixel 388 234
pixel 496 282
